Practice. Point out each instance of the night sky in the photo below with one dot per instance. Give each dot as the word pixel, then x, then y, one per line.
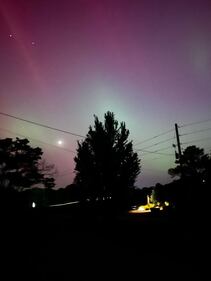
pixel 147 61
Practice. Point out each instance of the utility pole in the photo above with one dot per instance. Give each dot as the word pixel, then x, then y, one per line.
pixel 178 141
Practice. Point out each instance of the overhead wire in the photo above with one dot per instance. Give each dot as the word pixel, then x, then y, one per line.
pixel 144 149
pixel 156 144
pixel 195 132
pixel 36 140
pixel 41 125
pixel 154 152
pixel 195 123
pixel 157 150
pixel 154 137
pixel 141 142
pixel 197 140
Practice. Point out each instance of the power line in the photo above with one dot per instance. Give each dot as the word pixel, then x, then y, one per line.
pixel 195 140
pixel 146 140
pixel 155 152
pixel 157 158
pixel 14 133
pixel 164 148
pixel 41 125
pixel 156 144
pixel 195 123
pixel 195 132
pixel 36 140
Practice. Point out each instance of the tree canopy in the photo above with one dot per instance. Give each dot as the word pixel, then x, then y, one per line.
pixel 194 171
pixel 193 164
pixel 106 165
pixel 22 167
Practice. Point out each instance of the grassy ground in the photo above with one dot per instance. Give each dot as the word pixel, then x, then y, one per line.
pixel 67 245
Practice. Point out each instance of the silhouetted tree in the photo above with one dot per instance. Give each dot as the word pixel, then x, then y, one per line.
pixel 138 196
pixel 193 164
pixel 194 170
pixel 106 165
pixel 21 166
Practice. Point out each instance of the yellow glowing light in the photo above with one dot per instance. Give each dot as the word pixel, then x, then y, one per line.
pixel 141 208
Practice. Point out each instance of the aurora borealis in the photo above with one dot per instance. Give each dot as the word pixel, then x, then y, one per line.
pixel 147 61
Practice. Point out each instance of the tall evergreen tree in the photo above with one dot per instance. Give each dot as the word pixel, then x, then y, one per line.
pixel 106 165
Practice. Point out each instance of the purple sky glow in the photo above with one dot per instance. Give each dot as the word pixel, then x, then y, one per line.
pixel 147 61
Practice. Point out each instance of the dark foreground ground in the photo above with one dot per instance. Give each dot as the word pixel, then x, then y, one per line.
pixel 71 245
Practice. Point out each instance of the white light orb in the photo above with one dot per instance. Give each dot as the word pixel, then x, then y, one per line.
pixel 60 142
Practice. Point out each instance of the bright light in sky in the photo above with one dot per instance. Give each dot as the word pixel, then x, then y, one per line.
pixel 146 61
pixel 59 142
